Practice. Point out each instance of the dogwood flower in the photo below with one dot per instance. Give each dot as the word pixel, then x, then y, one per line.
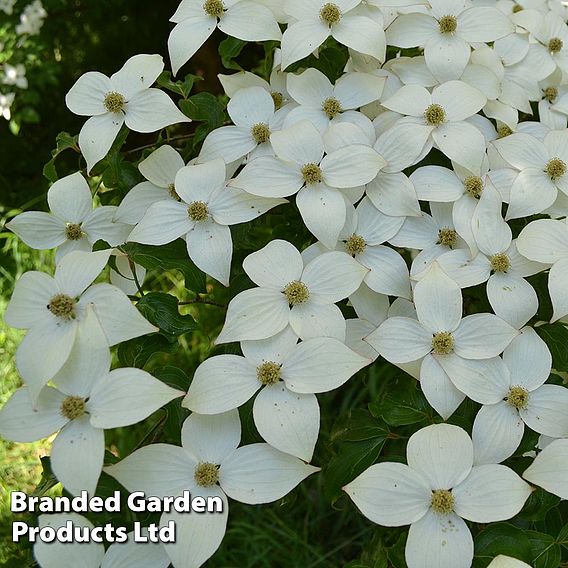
pixel 6 102
pixel 502 561
pixel 291 292
pixel 73 224
pixel 202 216
pixel 124 98
pixel 438 488
pixel 196 20
pixel 89 398
pixel 286 411
pixel 209 464
pixel 550 468
pixel 53 309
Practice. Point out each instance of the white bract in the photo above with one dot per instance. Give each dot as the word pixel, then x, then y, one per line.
pixel 549 470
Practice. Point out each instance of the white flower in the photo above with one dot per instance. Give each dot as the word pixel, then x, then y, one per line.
pixel 317 20
pixel 124 98
pixel 553 93
pixel 123 276
pixel 502 561
pixel 286 411
pixel 465 349
pixel 549 470
pixel 88 399
pixel 438 488
pixel 202 217
pixel 53 309
pixel 7 6
pixel 15 75
pixel 197 19
pixel 209 464
pixel 291 293
pixel 448 33
pixel 6 101
pixel 160 169
pixel 73 224
pixel 546 241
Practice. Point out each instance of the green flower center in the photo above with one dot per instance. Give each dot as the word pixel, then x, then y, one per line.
pixel 555 45
pixel 260 133
pixel 442 501
pixel 555 168
pixel 500 262
pixel 504 131
pixel 73 231
pixel 518 397
pixel 332 107
pixel 206 474
pixel 434 115
pixel 355 245
pixel 448 24
pixel 311 173
pixel 268 373
pixel 447 237
pixel 197 211
pixel 278 99
pixel 330 14
pixel 296 292
pixel 474 186
pixel 73 407
pixel 62 306
pixel 213 8
pixel 550 94
pixel 442 343
pixel 114 102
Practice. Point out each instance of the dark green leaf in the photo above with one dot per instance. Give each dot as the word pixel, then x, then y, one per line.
pixel 181 87
pixel 230 48
pixel 404 405
pixel 137 351
pixel 501 538
pixel 555 336
pixel 161 309
pixel 203 107
pixel 546 552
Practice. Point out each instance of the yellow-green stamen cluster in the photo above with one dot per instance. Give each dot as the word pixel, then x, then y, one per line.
pixel 73 407
pixel 62 306
pixel 330 14
pixel 278 99
pixel 206 474
pixel 311 173
pixel 173 193
pixel 474 186
pixel 260 133
pixel 555 168
pixel 114 102
pixel 442 343
pixel 434 115
pixel 213 8
pixel 555 45
pixel 442 501
pixel 448 24
pixel 550 94
pixel 355 245
pixel 268 373
pixel 73 232
pixel 296 292
pixel 518 397
pixel 331 106
pixel 500 262
pixel 447 237
pixel 504 131
pixel 517 8
pixel 197 211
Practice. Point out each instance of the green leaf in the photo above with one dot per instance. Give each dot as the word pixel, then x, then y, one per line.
pixel 404 405
pixel 203 107
pixel 167 257
pixel 161 309
pixel 136 352
pixel 230 48
pixel 555 335
pixel 181 87
pixel 64 141
pixel 501 538
pixel 546 552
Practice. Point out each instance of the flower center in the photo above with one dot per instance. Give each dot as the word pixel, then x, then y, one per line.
pixel 442 343
pixel 518 397
pixel 268 373
pixel 355 245
pixel 332 107
pixel 114 102
pixel 260 133
pixel 500 262
pixel 434 115
pixel 173 193
pixel 62 306
pixel 330 14
pixel 448 24
pixel 504 131
pixel 550 94
pixel 311 173
pixel 206 474
pixel 197 211
pixel 278 99
pixel 73 231
pixel 442 501
pixel 447 237
pixel 73 407
pixel 555 45
pixel 474 186
pixel 213 8
pixel 296 292
pixel 555 168
pixel 517 8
